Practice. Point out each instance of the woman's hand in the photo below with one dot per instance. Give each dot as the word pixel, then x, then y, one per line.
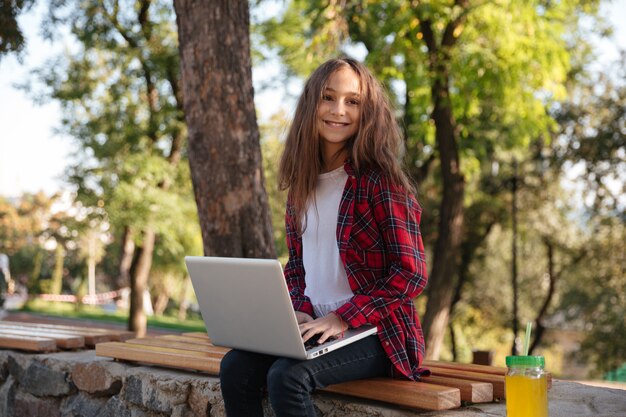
pixel 303 317
pixel 328 326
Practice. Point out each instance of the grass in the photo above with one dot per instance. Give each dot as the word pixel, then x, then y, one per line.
pixel 75 311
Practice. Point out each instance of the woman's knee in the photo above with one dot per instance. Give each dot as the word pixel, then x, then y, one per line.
pixel 230 369
pixel 287 375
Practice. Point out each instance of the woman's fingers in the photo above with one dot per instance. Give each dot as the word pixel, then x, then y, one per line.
pixel 328 326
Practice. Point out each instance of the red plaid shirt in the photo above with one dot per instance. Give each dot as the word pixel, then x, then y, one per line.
pixel 381 248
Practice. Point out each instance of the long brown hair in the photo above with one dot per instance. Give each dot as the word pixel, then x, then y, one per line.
pixel 377 145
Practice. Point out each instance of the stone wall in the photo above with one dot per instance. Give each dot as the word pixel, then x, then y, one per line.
pixel 73 384
pixel 80 384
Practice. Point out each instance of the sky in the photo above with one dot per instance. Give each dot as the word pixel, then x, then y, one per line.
pixel 33 157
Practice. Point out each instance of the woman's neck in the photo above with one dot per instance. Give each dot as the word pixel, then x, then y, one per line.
pixel 333 160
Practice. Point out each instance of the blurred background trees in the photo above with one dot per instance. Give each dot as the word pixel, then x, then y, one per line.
pixel 503 112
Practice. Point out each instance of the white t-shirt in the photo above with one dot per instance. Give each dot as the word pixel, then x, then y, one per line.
pixel 326 281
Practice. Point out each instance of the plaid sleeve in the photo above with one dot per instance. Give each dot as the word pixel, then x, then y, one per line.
pixel 294 269
pixel 397 218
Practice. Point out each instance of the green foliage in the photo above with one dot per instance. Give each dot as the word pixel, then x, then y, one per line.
pixel 122 104
pixel 595 297
pixel 305 35
pixel 272 134
pixel 592 137
pixel 11 36
pixel 512 69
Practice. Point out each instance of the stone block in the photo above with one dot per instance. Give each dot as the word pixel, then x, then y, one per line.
pixel 114 407
pixel 4 366
pixel 40 380
pixel 182 410
pixel 156 389
pixel 17 365
pixel 98 378
pixel 27 404
pixel 205 397
pixel 7 397
pixel 81 405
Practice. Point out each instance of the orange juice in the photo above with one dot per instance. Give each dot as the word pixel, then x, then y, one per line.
pixel 526 396
pixel 526 387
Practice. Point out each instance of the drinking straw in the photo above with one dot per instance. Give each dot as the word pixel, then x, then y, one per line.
pixel 529 327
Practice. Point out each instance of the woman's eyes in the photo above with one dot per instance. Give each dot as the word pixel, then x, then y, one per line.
pixel 352 101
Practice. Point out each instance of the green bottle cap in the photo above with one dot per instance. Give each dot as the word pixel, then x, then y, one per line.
pixel 528 361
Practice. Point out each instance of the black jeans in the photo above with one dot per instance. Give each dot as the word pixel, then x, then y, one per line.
pixel 290 382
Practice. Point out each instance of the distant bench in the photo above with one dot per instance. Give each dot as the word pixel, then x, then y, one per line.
pixel 40 337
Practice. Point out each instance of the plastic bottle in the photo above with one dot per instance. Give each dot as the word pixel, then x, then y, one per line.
pixel 526 387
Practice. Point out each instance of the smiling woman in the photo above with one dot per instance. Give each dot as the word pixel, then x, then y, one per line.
pixel 338 116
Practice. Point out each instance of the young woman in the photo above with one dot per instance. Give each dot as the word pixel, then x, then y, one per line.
pixel 355 249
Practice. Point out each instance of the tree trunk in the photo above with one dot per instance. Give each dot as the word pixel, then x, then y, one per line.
pixel 539 327
pixel 139 283
pixel 91 266
pixel 160 303
pixel 126 258
pixel 448 246
pixel 224 149
pixel 57 273
pixel 184 303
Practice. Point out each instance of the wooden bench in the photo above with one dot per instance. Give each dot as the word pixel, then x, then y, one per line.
pixel 38 337
pixel 449 386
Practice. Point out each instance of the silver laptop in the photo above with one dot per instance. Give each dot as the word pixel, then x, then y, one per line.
pixel 245 305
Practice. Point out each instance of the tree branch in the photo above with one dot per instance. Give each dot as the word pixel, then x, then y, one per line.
pixel 449 36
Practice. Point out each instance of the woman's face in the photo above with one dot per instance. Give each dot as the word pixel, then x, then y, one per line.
pixel 338 115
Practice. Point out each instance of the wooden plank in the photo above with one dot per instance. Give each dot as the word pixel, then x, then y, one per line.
pixel 188 339
pixel 160 356
pixel 496 380
pixel 217 352
pixel 62 340
pixel 404 393
pixel 493 370
pixel 198 335
pixel 113 335
pixel 89 340
pixel 30 343
pixel 471 391
pixel 8 326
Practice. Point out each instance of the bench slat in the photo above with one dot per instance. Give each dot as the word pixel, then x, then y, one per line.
pixel 198 335
pixel 485 369
pixel 496 380
pixel 62 340
pixel 187 339
pixel 157 343
pixel 160 356
pixel 176 344
pixel 92 335
pixel 30 343
pixel 471 391
pixel 403 393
